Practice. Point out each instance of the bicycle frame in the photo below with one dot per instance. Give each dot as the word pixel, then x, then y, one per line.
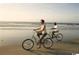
pixel 33 37
pixel 50 33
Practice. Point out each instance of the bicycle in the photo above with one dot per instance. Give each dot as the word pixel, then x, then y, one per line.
pixel 57 35
pixel 28 44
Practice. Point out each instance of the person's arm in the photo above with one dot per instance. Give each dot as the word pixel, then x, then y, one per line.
pixel 55 27
pixel 37 29
pixel 52 28
pixel 41 28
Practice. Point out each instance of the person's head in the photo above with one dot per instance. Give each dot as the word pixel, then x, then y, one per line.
pixel 55 23
pixel 42 21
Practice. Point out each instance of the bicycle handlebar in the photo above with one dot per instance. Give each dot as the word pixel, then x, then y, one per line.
pixel 34 31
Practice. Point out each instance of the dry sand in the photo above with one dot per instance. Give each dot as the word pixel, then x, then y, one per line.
pixel 59 48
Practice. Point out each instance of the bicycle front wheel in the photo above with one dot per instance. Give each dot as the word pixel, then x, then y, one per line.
pixel 59 37
pixel 27 44
pixel 47 43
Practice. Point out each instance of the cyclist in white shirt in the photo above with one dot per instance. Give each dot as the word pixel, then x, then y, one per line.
pixel 41 30
pixel 55 28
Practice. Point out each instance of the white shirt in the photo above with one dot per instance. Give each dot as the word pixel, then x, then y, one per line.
pixel 55 28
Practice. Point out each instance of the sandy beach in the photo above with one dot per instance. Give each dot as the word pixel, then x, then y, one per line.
pixel 11 41
pixel 59 48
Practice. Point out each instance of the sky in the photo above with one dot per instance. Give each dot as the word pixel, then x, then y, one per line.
pixel 33 12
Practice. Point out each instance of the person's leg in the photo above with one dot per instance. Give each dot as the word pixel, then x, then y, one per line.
pixel 40 41
pixel 53 33
pixel 43 37
pixel 38 34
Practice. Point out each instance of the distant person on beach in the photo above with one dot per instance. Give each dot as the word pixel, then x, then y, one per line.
pixel 41 31
pixel 55 28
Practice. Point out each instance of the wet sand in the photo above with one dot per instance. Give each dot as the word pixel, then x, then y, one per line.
pixel 59 48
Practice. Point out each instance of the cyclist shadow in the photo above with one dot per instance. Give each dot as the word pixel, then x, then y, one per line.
pixel 51 51
pixel 39 52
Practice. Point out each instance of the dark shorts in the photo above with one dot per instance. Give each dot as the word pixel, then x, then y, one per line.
pixel 39 33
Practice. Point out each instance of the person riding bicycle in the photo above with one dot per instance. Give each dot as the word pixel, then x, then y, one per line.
pixel 55 28
pixel 41 31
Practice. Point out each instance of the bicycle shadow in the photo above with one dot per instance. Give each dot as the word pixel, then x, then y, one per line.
pixel 51 51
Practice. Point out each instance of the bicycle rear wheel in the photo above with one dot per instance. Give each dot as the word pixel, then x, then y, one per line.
pixel 47 43
pixel 27 44
pixel 59 37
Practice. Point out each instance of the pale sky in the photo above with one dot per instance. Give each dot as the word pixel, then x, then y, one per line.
pixel 34 12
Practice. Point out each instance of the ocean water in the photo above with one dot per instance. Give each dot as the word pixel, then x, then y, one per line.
pixel 16 32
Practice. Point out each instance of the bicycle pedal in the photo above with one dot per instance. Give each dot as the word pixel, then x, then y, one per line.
pixel 42 42
pixel 39 46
